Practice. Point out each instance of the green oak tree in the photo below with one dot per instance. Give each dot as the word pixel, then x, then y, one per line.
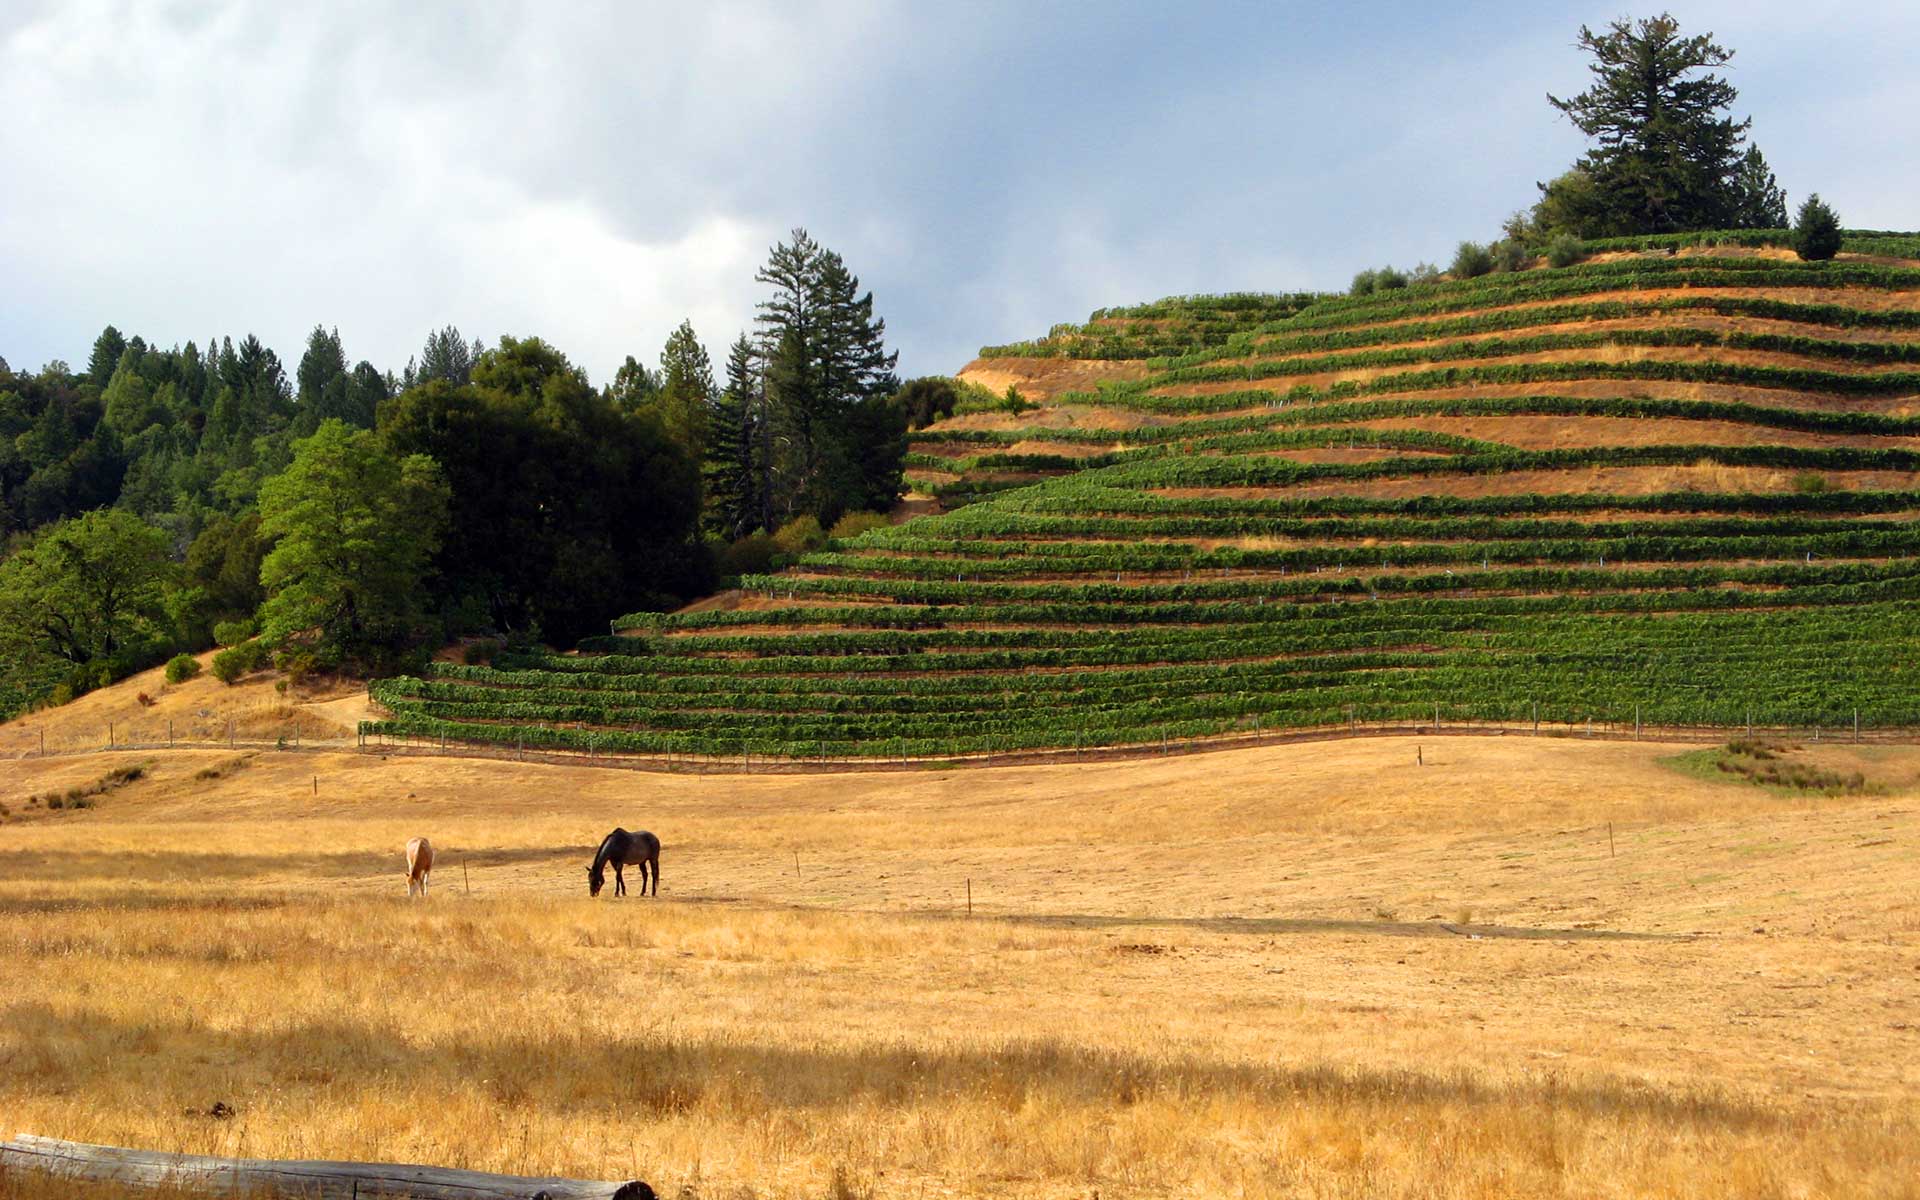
pixel 355 527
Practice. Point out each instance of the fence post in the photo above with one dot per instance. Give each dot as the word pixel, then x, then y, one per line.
pixel 1636 722
pixel 1856 726
pixel 1536 718
pixel 1856 723
pixel 109 735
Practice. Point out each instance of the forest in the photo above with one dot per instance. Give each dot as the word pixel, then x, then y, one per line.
pixel 158 501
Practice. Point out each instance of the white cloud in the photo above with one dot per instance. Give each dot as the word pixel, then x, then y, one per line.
pixel 593 173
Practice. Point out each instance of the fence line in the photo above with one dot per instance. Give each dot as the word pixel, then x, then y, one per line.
pixel 124 739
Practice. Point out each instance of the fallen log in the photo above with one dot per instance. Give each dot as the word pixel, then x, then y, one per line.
pixel 294 1179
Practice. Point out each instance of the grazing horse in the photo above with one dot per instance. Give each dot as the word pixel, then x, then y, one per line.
pixel 419 866
pixel 624 849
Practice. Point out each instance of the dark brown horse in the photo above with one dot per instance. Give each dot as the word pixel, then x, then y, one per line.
pixel 624 849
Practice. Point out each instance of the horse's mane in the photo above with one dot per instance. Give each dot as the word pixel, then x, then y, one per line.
pixel 605 852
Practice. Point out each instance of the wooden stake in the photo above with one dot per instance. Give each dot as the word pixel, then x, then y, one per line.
pixel 316 785
pixel 464 878
pixel 796 864
pixel 969 895
pixel 1610 839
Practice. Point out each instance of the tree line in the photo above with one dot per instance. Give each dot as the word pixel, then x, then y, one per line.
pixel 345 517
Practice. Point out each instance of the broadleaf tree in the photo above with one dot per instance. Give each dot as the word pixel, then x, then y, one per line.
pixel 356 527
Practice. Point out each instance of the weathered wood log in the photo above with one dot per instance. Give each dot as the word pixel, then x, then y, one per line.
pixel 294 1179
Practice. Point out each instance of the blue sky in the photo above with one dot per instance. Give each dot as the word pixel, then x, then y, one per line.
pixel 595 173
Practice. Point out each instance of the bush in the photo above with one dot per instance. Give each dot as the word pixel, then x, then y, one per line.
pixel 1424 273
pixel 1810 483
pixel 481 652
pixel 750 555
pixel 926 400
pixel 856 523
pixel 1509 256
pixel 800 535
pixel 1816 231
pixel 233 662
pixel 232 633
pixel 297 662
pixel 182 667
pixel 1364 284
pixel 1471 260
pixel 1386 279
pixel 1564 251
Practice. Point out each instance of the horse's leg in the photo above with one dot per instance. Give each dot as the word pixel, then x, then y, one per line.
pixel 619 879
pixel 656 875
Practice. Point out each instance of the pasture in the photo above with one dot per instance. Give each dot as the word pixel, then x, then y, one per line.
pixel 1527 967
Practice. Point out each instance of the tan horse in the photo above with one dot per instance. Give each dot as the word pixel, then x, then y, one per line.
pixel 419 865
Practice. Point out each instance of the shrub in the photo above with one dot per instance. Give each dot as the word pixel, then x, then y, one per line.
pixel 145 700
pixel 1013 401
pixel 856 523
pixel 1816 231
pixel 1424 273
pixel 1387 279
pixel 1471 260
pixel 297 661
pixel 800 535
pixel 924 401
pixel 1810 483
pixel 1564 251
pixel 232 633
pixel 182 667
pixel 750 555
pixel 62 694
pixel 233 662
pixel 1364 284
pixel 481 652
pixel 1509 256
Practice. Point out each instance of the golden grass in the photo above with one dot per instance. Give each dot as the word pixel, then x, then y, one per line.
pixel 1311 970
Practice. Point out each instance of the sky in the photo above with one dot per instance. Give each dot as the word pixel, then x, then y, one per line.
pixel 595 173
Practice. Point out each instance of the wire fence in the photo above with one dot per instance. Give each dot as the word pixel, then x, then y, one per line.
pixel 293 733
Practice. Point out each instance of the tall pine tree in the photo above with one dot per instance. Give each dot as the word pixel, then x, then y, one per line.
pixel 686 390
pixel 729 471
pixel 825 355
pixel 1665 153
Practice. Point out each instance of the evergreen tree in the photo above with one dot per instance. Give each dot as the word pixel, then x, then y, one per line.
pixel 1665 153
pixel 107 349
pixel 1816 231
pixel 1759 202
pixel 633 386
pixel 825 354
pixel 322 379
pixel 445 356
pixel 686 390
pixel 728 472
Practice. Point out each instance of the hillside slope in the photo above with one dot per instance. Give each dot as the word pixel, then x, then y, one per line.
pixel 1670 488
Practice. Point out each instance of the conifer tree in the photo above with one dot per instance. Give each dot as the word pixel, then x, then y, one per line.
pixel 686 390
pixel 1759 202
pixel 729 470
pixel 1665 154
pixel 1816 231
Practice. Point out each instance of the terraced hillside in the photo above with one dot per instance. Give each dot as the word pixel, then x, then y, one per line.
pixel 1670 488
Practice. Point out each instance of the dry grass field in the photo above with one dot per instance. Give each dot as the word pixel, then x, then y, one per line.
pixel 1526 967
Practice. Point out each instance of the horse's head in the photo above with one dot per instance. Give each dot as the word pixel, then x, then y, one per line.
pixel 596 879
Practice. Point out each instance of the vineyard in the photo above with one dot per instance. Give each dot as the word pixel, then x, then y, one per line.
pixel 1674 485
